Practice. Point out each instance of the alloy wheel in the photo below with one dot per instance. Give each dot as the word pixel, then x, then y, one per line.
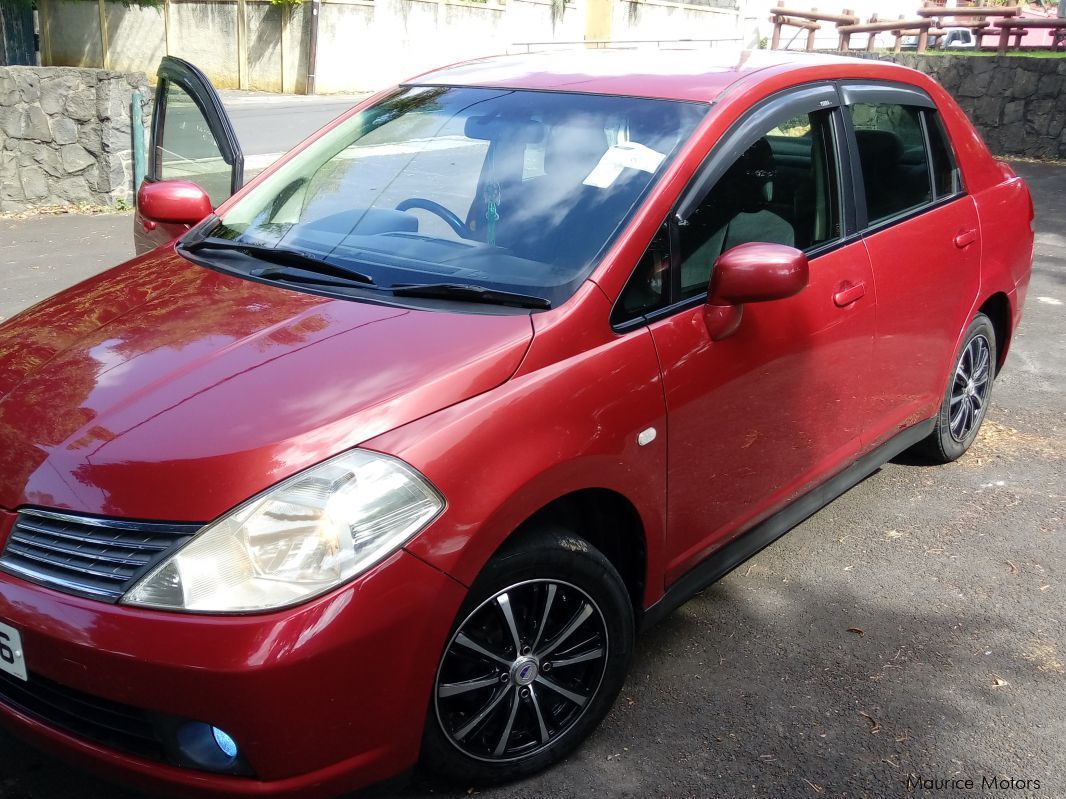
pixel 521 670
pixel 969 390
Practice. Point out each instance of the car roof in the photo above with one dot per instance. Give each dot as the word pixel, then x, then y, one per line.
pixel 694 75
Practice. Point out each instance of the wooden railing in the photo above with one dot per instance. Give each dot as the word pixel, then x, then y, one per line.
pixel 1017 28
pixel 933 20
pixel 783 17
pixel 899 28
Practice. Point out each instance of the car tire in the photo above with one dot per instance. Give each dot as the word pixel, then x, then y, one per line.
pixel 574 623
pixel 969 391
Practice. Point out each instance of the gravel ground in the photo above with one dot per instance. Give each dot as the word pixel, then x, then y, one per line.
pixel 914 628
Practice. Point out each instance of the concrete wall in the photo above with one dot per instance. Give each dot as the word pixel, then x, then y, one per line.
pixel 654 19
pixel 65 136
pixel 1018 104
pixel 363 45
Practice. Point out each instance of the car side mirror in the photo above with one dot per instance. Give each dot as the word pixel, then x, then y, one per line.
pixel 753 272
pixel 175 201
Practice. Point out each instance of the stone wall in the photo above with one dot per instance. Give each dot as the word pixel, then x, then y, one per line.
pixel 65 136
pixel 1018 104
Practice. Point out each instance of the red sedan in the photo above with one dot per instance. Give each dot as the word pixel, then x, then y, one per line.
pixel 387 458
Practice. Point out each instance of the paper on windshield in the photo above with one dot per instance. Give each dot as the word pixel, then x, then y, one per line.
pixel 628 154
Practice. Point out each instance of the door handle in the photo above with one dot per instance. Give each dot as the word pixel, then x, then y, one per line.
pixel 850 294
pixel 966 238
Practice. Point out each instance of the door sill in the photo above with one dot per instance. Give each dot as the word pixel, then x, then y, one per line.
pixel 719 564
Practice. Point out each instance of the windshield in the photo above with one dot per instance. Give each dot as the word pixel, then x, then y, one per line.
pixel 515 191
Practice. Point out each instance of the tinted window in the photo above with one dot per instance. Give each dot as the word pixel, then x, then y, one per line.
pixel 892 154
pixel 781 190
pixel 946 179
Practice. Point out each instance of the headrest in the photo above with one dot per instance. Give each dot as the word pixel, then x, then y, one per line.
pixel 882 148
pixel 574 147
pixel 512 129
pixel 751 178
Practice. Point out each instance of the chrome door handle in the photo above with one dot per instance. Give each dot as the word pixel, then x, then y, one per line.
pixel 966 238
pixel 850 294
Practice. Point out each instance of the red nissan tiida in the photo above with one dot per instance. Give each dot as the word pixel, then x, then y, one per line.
pixel 386 459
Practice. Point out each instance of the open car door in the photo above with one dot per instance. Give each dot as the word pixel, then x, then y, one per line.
pixel 194 160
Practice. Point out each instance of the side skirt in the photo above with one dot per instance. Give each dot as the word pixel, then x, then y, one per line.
pixel 719 564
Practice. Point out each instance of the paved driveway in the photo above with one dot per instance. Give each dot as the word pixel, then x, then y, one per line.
pixel 913 628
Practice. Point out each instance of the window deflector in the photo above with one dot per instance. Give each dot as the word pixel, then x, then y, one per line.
pixel 197 86
pixel 885 93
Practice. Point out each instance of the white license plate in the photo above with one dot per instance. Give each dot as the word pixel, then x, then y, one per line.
pixel 11 658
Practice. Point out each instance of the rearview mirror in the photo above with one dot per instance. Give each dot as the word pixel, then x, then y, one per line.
pixel 753 272
pixel 176 201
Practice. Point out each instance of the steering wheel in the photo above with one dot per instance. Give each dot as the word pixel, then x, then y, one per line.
pixel 453 221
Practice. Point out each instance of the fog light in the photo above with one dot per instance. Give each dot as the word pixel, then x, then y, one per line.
pixel 209 748
pixel 225 742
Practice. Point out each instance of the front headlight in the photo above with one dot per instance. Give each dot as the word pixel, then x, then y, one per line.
pixel 299 539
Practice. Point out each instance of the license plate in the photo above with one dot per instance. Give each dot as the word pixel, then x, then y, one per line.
pixel 11 658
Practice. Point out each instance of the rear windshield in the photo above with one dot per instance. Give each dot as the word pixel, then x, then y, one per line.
pixel 517 191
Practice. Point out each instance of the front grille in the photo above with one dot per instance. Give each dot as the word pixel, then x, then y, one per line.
pixel 101 721
pixel 87 556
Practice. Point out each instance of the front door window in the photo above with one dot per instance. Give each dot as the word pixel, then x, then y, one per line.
pixel 188 149
pixel 781 190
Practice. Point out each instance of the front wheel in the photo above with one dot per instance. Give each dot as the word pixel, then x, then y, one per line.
pixel 966 401
pixel 537 656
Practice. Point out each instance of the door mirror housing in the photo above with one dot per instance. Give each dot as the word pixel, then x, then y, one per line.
pixel 174 201
pixel 753 272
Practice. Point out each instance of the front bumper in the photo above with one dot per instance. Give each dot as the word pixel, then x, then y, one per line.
pixel 322 699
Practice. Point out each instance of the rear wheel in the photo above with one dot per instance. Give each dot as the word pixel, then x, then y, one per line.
pixel 966 401
pixel 537 656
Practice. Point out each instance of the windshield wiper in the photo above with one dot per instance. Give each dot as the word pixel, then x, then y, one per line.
pixel 470 293
pixel 281 256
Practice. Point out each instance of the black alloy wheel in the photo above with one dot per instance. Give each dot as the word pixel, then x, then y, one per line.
pixel 537 656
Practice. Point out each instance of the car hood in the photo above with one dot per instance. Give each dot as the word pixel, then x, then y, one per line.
pixel 166 390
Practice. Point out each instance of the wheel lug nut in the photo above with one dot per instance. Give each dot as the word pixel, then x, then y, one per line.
pixel 525 693
pixel 504 677
pixel 546 667
pixel 526 650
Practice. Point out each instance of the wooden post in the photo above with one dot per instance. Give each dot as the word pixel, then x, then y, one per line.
pixel 899 39
pixel 845 39
pixel 923 39
pixel 242 44
pixel 775 41
pixel 104 59
pixel 810 39
pixel 44 16
pixel 873 35
pixel 312 46
pixel 1004 38
pixel 284 26
pixel 168 43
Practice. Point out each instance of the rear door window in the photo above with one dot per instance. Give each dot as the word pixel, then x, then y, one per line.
pixel 893 157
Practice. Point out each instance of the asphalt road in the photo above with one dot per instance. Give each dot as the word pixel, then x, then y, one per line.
pixel 917 626
pixel 269 124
